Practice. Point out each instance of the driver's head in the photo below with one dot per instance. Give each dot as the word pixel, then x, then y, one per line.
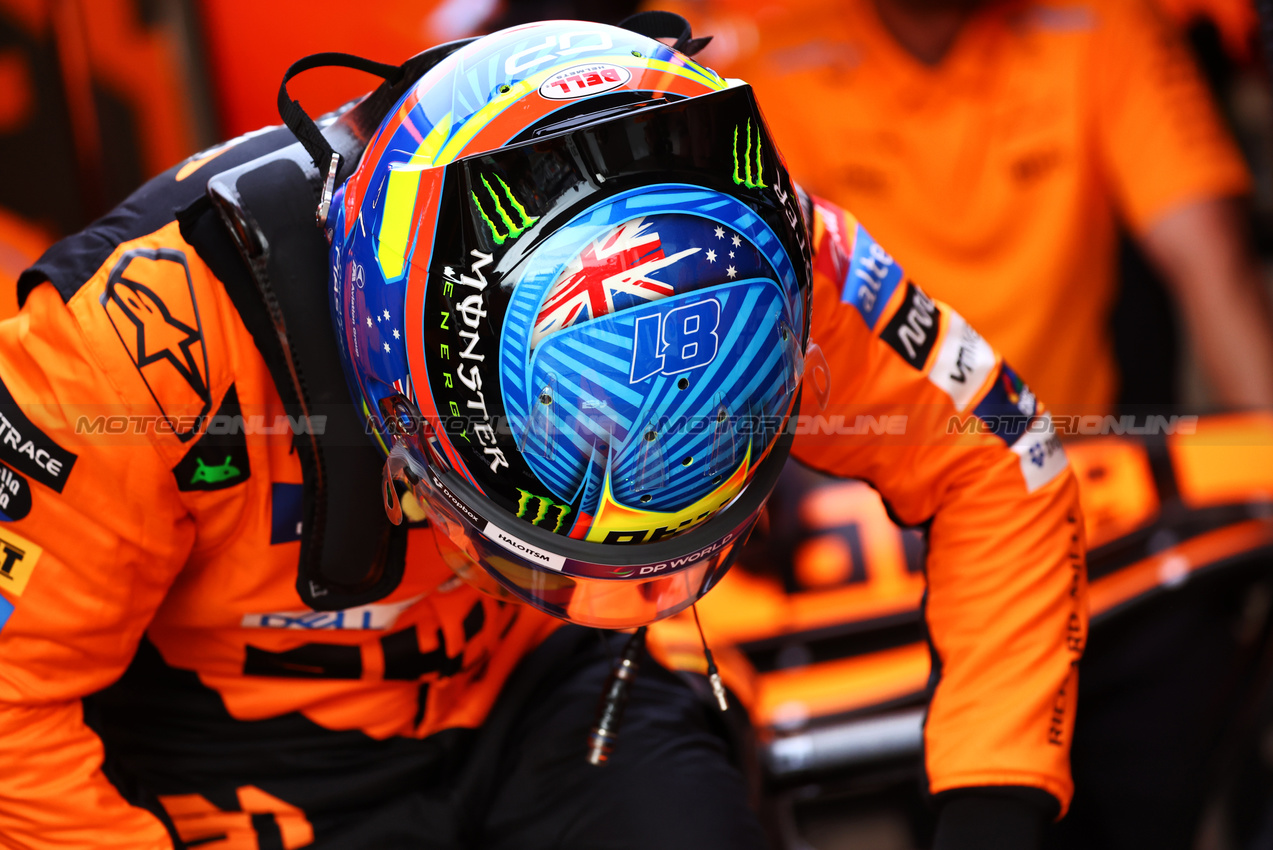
pixel 570 280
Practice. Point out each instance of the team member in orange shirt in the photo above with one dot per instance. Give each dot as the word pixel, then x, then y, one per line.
pixel 995 147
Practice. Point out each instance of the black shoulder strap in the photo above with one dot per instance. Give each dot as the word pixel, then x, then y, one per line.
pixel 350 553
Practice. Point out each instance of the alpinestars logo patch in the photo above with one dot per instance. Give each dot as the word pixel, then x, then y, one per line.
pixel 151 302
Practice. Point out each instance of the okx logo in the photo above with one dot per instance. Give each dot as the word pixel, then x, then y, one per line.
pixel 512 229
pixel 746 178
pixel 542 507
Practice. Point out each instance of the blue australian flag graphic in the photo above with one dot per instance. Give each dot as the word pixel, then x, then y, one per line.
pixel 641 308
pixel 643 260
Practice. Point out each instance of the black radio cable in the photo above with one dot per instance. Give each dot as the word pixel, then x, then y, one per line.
pixel 618 689
pixel 713 675
pixel 614 699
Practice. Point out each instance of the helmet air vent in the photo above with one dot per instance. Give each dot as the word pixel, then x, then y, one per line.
pixel 539 438
pixel 651 470
pixel 724 454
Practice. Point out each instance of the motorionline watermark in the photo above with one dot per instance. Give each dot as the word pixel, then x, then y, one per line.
pixel 1064 425
pixel 836 424
pixel 220 424
pixel 459 426
pixel 1075 425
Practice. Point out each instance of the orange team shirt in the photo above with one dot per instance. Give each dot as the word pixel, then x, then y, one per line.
pixel 997 177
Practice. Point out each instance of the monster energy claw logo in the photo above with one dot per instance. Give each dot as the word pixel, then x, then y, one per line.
pixel 746 180
pixel 512 229
pixel 543 504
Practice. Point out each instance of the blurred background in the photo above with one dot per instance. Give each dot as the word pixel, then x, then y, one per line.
pixel 822 621
pixel 98 95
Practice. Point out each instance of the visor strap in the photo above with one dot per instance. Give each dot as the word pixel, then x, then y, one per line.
pixel 659 24
pixel 303 126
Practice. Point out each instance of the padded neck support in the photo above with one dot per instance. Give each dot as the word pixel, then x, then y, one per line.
pixel 350 553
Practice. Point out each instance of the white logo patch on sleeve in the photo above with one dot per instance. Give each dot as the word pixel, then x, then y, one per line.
pixel 963 362
pixel 1041 453
pixel 377 616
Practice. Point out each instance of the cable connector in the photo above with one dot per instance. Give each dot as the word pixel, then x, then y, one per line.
pixel 713 674
pixel 614 700
pixel 718 687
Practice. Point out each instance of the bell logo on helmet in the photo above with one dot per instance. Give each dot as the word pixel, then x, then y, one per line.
pixel 543 505
pixel 584 79
pixel 511 229
pixel 745 180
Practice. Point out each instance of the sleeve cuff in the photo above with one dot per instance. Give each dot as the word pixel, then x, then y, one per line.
pixel 1003 818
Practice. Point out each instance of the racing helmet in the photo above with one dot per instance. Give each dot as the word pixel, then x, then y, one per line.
pixel 570 281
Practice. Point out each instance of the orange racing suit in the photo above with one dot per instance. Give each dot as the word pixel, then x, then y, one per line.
pixel 140 546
